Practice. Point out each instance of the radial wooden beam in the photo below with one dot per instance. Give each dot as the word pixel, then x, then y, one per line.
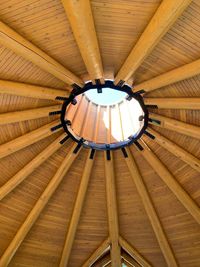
pixel 28 114
pixel 150 210
pixel 171 182
pixel 97 253
pixel 21 175
pixel 184 72
pixel 165 16
pixel 174 103
pixel 27 139
pixel 37 209
pixel 133 252
pixel 28 90
pixel 112 211
pixel 175 125
pixel 76 211
pixel 81 20
pixel 178 151
pixel 14 41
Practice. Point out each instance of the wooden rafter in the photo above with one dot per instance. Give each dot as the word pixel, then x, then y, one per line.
pixel 150 210
pixel 21 175
pixel 174 103
pixel 28 114
pixel 184 72
pixel 112 211
pixel 165 16
pixel 37 209
pixel 175 125
pixel 103 261
pixel 105 245
pixel 28 90
pixel 81 20
pixel 176 150
pixel 171 182
pixel 76 212
pixel 27 139
pixel 133 252
pixel 21 46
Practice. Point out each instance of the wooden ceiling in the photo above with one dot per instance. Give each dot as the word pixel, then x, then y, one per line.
pixel 60 208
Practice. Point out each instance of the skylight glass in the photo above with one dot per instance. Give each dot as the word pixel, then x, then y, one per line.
pixel 107 97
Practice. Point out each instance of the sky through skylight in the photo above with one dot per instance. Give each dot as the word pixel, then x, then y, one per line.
pixel 107 97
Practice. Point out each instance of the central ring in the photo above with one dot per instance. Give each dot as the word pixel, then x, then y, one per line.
pixel 133 99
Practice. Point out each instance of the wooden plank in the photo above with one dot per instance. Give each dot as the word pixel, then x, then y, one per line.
pixel 76 212
pixel 14 41
pixel 112 211
pixel 27 139
pixel 177 126
pixel 176 150
pixel 21 175
pixel 37 209
pixel 174 103
pixel 81 20
pixel 129 260
pixel 105 245
pixel 28 114
pixel 171 182
pixel 150 210
pixel 28 90
pixel 184 72
pixel 133 252
pixel 103 261
pixel 163 19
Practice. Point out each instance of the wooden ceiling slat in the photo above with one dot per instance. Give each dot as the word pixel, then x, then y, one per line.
pixel 184 72
pixel 28 90
pixel 27 139
pixel 133 252
pixel 29 114
pixel 76 212
pixel 38 207
pixel 165 16
pixel 177 126
pixel 21 175
pixel 21 46
pixel 179 152
pixel 81 20
pixel 97 253
pixel 174 103
pixel 171 182
pixel 151 212
pixel 112 211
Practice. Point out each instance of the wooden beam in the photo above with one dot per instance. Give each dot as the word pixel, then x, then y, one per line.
pixel 103 261
pixel 178 151
pixel 97 253
pixel 163 19
pixel 76 212
pixel 27 139
pixel 37 209
pixel 81 20
pixel 28 90
pixel 133 253
pixel 184 72
pixel 171 182
pixel 150 210
pixel 174 103
pixel 175 125
pixel 112 211
pixel 21 175
pixel 28 114
pixel 14 41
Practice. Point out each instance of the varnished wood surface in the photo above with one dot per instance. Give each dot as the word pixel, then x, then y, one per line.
pixel 118 24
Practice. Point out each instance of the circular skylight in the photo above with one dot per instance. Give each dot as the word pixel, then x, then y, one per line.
pixel 107 97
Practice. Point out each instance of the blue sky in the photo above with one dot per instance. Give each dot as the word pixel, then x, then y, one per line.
pixel 107 97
